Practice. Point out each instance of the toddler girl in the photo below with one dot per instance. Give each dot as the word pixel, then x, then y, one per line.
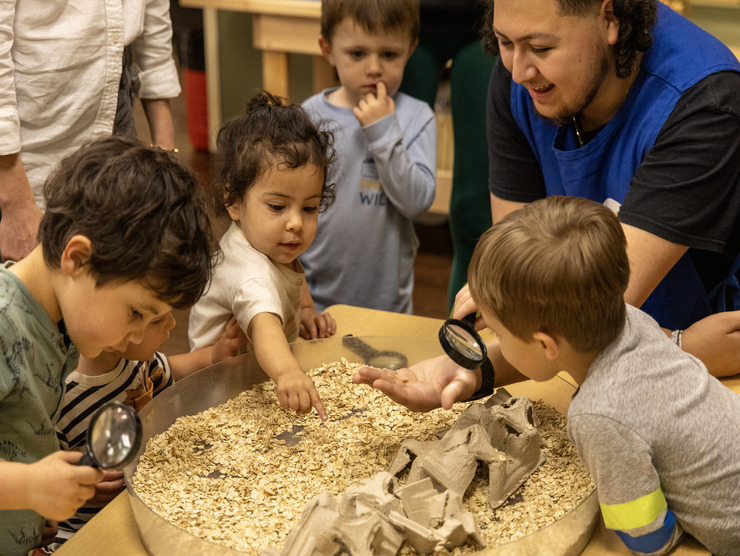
pixel 274 163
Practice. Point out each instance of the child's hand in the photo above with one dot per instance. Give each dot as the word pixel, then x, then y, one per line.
pixel 374 107
pixel 228 344
pixel 297 392
pixel 316 325
pixel 107 489
pixel 464 305
pixel 51 528
pixel 57 487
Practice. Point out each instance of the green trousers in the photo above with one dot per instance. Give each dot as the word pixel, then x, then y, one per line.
pixel 470 207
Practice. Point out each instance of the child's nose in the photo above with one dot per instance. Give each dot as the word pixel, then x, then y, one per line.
pixel 373 65
pixel 136 336
pixel 295 221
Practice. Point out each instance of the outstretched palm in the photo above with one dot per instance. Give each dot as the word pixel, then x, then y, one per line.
pixel 427 385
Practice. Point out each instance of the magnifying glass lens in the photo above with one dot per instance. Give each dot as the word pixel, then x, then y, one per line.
pixel 462 343
pixel 114 435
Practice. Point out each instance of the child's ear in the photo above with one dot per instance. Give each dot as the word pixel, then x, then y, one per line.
pixel 549 344
pixel 413 47
pixel 326 50
pixel 233 210
pixel 76 254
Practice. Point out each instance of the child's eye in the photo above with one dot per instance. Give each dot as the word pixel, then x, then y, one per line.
pixel 356 54
pixel 310 209
pixel 276 208
pixel 504 44
pixel 390 55
pixel 136 315
pixel 537 50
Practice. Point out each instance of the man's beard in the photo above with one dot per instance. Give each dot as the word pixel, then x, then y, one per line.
pixel 597 73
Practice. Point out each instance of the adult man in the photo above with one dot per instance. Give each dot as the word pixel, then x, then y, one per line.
pixel 61 85
pixel 629 104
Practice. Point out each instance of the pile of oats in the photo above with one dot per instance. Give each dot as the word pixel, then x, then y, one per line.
pixel 240 474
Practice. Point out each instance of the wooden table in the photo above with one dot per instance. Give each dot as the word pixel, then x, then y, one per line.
pixel 280 28
pixel 113 531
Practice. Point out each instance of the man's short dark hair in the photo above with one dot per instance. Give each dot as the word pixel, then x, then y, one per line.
pixel 142 212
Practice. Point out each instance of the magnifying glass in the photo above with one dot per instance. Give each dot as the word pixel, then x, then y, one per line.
pixel 466 348
pixel 382 359
pixel 113 437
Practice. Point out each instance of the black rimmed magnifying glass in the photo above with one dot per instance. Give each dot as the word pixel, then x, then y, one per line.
pixel 113 436
pixel 466 348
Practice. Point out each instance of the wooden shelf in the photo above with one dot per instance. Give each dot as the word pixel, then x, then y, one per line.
pixel 301 8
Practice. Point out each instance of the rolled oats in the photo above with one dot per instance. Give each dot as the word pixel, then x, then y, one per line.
pixel 241 473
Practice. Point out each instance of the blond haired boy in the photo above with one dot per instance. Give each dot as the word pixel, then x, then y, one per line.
pixel 657 432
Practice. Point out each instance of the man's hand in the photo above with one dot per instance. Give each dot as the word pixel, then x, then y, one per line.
pixel 19 230
pixel 716 341
pixel 374 107
pixel 316 325
pixel 19 226
pixel 427 385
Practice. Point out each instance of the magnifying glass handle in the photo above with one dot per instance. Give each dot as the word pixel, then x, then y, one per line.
pixel 359 347
pixel 87 459
pixel 470 319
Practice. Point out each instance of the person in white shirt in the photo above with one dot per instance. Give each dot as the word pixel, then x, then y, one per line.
pixel 60 70
pixel 273 185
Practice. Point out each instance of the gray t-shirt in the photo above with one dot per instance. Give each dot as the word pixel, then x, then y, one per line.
pixel 34 362
pixel 649 419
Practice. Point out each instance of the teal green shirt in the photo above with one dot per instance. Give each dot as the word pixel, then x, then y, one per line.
pixel 34 362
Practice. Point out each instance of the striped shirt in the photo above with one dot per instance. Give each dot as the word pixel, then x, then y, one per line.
pixel 129 383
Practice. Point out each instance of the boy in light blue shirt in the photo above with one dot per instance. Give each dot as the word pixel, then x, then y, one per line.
pixel 384 171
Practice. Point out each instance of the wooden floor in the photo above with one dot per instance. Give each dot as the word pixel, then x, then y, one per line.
pixel 432 267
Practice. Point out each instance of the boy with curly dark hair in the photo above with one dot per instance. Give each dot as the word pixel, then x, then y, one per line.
pixel 124 240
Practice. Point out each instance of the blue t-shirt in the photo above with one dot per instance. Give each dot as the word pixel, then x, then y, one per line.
pixel 604 169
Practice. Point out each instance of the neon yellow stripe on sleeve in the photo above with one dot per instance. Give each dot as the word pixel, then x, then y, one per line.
pixel 634 514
